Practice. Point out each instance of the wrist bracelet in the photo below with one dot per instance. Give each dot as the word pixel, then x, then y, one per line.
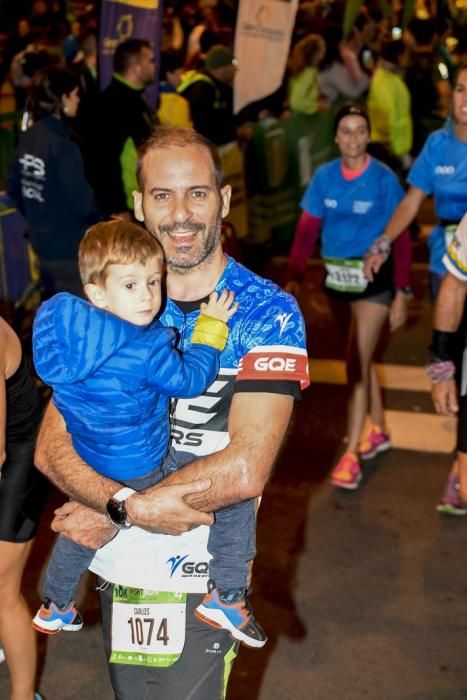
pixel 443 346
pixel 441 371
pixel 382 246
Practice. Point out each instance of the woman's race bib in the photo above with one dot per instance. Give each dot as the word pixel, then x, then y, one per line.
pixel 148 627
pixel 345 275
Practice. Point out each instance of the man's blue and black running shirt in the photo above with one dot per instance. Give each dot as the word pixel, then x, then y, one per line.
pixel 265 352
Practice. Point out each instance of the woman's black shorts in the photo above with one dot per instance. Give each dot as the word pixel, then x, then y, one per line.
pixel 23 492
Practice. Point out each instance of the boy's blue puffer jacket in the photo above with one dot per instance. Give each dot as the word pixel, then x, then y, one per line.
pixel 112 382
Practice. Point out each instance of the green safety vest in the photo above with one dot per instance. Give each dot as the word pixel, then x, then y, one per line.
pixel 193 76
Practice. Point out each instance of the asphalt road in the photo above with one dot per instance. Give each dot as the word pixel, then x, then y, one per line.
pixel 364 594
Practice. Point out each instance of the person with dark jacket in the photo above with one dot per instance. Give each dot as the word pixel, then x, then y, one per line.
pixel 210 95
pixel 47 181
pixel 122 122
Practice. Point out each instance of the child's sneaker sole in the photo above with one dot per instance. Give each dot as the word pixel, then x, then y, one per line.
pixel 56 627
pixel 51 620
pixel 217 619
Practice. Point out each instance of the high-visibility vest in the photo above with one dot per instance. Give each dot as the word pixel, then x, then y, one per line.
pixel 191 77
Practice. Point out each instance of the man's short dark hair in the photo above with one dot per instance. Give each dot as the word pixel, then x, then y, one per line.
pixel 173 136
pixel 127 52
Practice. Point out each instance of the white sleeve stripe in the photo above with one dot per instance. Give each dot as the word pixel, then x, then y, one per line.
pixel 453 270
pixel 293 350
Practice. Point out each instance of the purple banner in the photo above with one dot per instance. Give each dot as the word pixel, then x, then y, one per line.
pixel 128 19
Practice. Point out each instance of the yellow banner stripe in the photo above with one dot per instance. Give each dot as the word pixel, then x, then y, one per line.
pixel 144 4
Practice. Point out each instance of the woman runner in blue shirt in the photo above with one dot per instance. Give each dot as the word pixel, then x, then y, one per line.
pixel 350 200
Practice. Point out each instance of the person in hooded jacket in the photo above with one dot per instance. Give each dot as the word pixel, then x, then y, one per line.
pixel 47 181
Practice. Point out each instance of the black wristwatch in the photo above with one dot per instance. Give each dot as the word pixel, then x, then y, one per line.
pixel 116 509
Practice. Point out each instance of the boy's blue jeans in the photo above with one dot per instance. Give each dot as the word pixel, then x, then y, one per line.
pixel 231 542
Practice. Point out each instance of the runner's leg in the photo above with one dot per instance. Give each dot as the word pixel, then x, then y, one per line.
pixel 376 401
pixel 368 320
pixel 16 633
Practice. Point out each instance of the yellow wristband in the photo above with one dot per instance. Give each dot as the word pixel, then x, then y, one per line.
pixel 210 331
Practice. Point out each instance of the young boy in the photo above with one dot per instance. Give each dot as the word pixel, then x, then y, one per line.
pixel 113 369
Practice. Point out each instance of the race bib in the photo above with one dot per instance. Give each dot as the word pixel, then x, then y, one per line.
pixel 345 275
pixel 449 232
pixel 148 627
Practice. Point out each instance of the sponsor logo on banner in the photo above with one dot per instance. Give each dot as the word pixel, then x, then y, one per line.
pixel 125 19
pixel 262 38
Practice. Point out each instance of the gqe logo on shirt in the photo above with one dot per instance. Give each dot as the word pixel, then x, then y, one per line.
pixel 275 364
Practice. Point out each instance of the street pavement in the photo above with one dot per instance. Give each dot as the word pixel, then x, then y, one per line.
pixel 363 594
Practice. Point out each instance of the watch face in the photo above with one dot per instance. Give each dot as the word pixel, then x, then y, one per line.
pixel 117 511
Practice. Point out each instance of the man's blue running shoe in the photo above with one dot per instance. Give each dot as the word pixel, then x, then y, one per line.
pixel 237 617
pixel 50 619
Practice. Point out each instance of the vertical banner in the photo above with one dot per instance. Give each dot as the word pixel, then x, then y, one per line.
pixel 262 42
pixel 128 19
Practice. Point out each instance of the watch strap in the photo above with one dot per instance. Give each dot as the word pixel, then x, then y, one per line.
pixel 123 494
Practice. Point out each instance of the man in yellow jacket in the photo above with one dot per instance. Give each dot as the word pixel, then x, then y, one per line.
pixel 389 105
pixel 173 109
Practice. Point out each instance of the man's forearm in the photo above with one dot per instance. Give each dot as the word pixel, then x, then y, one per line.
pixel 58 461
pixel 169 511
pixel 257 426
pixel 225 490
pixel 449 304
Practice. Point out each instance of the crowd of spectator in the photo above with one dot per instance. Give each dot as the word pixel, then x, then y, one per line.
pixel 404 81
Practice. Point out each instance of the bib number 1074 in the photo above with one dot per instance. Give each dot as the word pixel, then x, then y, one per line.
pixel 148 627
pixel 144 630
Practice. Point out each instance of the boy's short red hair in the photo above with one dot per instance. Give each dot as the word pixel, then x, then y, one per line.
pixel 115 242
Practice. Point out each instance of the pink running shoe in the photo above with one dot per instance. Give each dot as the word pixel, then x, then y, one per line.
pixel 375 442
pixel 451 502
pixel 347 473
